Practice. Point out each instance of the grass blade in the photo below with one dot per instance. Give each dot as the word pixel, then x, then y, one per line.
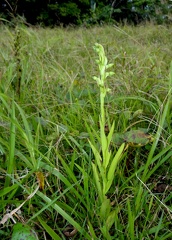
pixel 65 215
pixel 48 229
pixel 10 161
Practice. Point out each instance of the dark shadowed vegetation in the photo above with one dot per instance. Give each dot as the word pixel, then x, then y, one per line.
pixel 86 12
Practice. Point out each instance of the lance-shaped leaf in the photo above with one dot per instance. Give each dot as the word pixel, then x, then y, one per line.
pixel 110 175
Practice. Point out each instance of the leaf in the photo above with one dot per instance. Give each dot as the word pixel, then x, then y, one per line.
pixel 10 161
pixel 105 208
pixel 40 179
pixel 137 137
pixel 91 230
pixel 65 215
pixel 117 139
pixel 131 219
pixel 6 190
pixel 24 232
pixel 133 138
pixel 111 218
pixel 97 180
pixel 112 168
pixel 97 157
pixel 107 152
pixel 48 229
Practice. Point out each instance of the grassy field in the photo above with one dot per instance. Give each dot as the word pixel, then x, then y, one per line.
pixel 86 147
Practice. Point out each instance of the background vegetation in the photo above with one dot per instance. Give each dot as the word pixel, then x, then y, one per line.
pixel 78 12
pixel 51 132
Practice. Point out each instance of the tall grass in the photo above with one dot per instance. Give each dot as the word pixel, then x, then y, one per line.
pixel 62 133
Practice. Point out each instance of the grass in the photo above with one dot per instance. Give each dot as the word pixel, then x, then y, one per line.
pixel 59 133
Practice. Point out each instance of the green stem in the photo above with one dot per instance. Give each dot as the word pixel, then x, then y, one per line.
pixel 102 110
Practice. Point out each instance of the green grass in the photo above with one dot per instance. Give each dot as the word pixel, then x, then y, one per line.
pixel 53 135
